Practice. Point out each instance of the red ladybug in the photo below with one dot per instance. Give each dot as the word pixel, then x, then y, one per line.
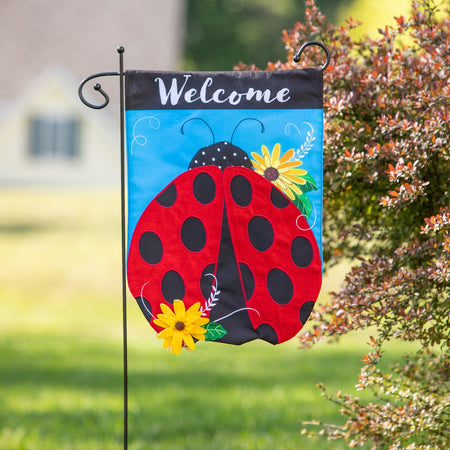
pixel 224 235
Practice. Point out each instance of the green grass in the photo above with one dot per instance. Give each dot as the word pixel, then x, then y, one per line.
pixel 61 350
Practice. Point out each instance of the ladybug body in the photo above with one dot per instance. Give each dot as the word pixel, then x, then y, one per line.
pixel 226 236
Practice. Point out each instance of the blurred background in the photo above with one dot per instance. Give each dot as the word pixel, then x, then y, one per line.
pixel 48 137
pixel 60 301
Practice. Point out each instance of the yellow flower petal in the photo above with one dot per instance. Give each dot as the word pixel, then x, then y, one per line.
pixel 187 338
pixel 290 194
pixel 296 189
pixel 257 167
pixel 199 337
pixel 165 319
pixel 179 309
pixel 287 156
pixel 257 158
pixel 275 154
pixel 284 179
pixel 194 308
pixel 163 323
pixel 165 309
pixel 202 321
pixel 280 185
pixel 296 180
pixel 195 329
pixel 193 313
pixel 166 333
pixel 265 152
pixel 289 165
pixel 294 172
pixel 160 323
pixel 177 342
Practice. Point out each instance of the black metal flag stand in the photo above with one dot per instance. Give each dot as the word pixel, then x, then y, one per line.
pixel 97 87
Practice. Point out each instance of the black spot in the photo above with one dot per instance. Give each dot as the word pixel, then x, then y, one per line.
pixel 167 197
pixel 260 233
pixel 172 286
pixel 267 333
pixel 193 234
pixel 146 308
pixel 301 252
pixel 204 188
pixel 207 281
pixel 280 286
pixel 278 199
pixel 305 311
pixel 150 247
pixel 241 190
pixel 248 280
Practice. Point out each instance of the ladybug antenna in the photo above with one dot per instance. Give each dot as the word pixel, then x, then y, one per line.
pixel 198 118
pixel 243 120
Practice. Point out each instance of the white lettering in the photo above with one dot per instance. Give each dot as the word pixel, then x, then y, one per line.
pixel 208 82
pixel 216 94
pixel 190 94
pixel 252 93
pixel 173 93
pixel 283 95
pixel 234 98
pixel 207 94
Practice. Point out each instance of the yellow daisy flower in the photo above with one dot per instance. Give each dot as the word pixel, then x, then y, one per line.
pixel 181 325
pixel 282 172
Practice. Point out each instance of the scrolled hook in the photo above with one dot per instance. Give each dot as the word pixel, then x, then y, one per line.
pixel 296 57
pixel 97 87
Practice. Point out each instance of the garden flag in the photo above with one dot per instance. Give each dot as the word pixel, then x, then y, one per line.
pixel 224 202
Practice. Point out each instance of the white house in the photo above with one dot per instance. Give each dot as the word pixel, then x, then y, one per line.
pixel 47 136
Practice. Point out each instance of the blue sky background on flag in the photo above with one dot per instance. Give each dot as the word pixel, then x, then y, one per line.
pixel 157 150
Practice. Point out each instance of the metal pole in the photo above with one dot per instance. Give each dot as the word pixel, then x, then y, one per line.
pixel 98 88
pixel 121 50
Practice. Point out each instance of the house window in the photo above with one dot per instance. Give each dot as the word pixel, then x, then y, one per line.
pixel 54 137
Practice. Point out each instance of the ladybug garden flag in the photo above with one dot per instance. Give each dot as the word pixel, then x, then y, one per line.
pixel 224 202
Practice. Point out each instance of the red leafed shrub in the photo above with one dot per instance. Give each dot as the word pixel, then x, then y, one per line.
pixel 386 192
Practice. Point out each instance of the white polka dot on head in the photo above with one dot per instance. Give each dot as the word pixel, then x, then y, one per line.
pixel 224 157
pixel 234 154
pixel 203 153
pixel 213 159
pixel 218 149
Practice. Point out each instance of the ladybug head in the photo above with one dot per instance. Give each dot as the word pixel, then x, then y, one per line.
pixel 221 154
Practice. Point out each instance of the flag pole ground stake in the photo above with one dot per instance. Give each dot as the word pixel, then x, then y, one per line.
pixel 98 88
pixel 124 250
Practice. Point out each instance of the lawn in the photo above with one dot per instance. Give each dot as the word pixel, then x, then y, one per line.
pixel 61 350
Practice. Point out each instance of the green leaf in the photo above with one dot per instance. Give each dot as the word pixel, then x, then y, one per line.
pixel 310 184
pixel 214 331
pixel 303 203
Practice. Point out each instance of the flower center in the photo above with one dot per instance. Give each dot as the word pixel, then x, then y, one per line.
pixel 180 326
pixel 271 173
